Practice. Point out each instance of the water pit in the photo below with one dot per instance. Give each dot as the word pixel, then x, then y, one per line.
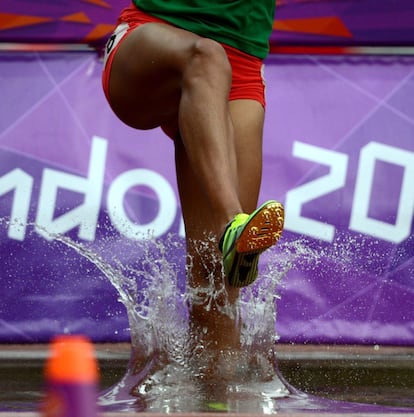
pixel 168 369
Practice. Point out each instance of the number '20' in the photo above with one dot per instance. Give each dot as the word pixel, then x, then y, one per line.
pixel 360 221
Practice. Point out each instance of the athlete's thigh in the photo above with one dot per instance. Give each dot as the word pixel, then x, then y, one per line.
pixel 248 119
pixel 144 85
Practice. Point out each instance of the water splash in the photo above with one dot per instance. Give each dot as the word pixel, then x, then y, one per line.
pixel 170 364
pixel 168 357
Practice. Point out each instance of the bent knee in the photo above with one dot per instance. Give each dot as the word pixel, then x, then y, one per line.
pixel 209 57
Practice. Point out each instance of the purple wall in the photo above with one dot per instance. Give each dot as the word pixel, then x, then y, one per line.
pixel 339 152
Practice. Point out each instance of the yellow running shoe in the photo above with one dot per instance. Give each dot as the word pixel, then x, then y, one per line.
pixel 246 237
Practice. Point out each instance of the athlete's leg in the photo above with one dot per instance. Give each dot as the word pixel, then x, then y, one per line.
pixel 248 120
pixel 223 331
pixel 162 75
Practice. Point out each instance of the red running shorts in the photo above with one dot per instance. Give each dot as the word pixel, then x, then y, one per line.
pixel 247 70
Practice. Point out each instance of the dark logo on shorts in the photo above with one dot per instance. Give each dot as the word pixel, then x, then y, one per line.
pixel 110 43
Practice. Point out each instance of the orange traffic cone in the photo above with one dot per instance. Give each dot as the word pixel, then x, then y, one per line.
pixel 71 374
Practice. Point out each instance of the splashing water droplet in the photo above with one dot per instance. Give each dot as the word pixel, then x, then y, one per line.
pixel 172 368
